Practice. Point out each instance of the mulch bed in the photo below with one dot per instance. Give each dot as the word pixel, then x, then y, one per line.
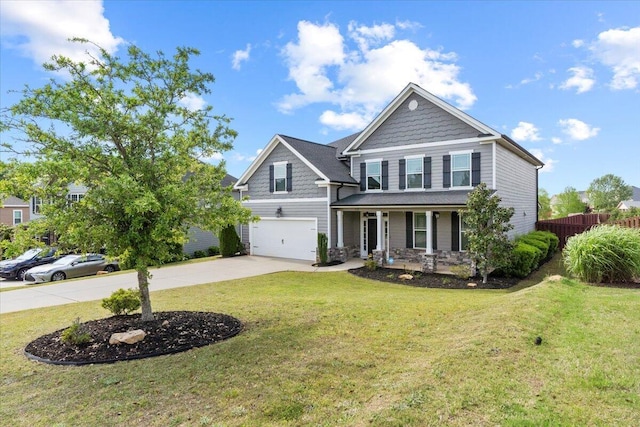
pixel 171 332
pixel 429 280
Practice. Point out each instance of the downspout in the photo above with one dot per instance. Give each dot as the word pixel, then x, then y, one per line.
pixel 338 191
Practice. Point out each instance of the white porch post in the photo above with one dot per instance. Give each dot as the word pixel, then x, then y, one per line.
pixel 379 237
pixel 340 229
pixel 429 232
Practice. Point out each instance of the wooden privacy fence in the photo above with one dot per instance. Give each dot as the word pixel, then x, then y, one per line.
pixel 571 225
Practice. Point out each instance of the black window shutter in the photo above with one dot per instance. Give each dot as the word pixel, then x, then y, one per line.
pixel 409 221
pixel 402 174
pixel 289 176
pixel 434 231
pixel 427 172
pixel 446 171
pixel 363 176
pixel 385 174
pixel 271 179
pixel 455 231
pixel 475 169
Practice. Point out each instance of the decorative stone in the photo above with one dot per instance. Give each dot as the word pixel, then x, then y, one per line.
pixel 472 285
pixel 165 323
pixel 405 276
pixel 130 337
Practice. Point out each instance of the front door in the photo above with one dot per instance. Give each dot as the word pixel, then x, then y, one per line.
pixel 372 234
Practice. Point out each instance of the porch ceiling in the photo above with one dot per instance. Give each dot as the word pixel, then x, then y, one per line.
pixel 454 198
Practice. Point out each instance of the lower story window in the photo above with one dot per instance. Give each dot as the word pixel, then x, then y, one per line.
pixel 464 239
pixel 420 230
pixel 17 217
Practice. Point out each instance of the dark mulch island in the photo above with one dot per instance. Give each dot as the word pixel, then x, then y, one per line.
pixel 171 332
pixel 429 280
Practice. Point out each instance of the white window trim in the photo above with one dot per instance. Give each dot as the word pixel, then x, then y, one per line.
pixel 459 153
pixel 14 217
pixel 406 173
pixel 275 190
pixel 366 177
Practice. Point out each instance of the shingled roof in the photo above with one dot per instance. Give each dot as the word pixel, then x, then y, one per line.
pixel 324 157
pixel 431 198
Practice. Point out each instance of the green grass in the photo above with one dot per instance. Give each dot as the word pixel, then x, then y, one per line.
pixel 331 349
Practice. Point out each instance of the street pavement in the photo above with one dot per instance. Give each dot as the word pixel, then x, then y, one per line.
pixel 165 277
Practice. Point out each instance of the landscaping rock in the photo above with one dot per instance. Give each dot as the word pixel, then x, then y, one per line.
pixel 472 285
pixel 130 337
pixel 405 276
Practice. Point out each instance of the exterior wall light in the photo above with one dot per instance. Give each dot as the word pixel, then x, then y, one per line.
pixel 279 212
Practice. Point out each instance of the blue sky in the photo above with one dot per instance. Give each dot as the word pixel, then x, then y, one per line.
pixel 561 78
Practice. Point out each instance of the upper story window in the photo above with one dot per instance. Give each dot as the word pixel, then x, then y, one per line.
pixel 36 205
pixel 74 197
pixel 17 217
pixel 415 172
pixel 461 170
pixel 374 175
pixel 280 177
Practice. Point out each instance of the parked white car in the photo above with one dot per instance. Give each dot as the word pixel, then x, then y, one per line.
pixel 71 266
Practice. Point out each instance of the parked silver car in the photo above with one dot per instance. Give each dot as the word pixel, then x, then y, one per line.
pixel 71 266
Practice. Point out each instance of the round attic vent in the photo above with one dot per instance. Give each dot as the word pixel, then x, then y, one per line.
pixel 413 104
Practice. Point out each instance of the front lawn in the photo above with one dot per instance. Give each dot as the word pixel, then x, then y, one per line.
pixel 334 349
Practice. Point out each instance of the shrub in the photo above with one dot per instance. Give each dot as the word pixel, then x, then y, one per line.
pixel 604 254
pixel 542 247
pixel 370 263
pixel 461 271
pixel 213 251
pixel 230 243
pixel 552 239
pixel 199 254
pixel 122 301
pixel 322 247
pixel 524 259
pixel 75 334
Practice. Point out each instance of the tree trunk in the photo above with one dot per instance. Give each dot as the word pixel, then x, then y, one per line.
pixel 145 301
pixel 485 276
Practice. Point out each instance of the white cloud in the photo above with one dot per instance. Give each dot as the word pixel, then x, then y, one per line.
pixel 620 50
pixel 244 158
pixel 582 79
pixel 548 162
pixel 345 121
pixel 240 56
pixel 577 43
pixel 192 102
pixel 577 130
pixel 556 140
pixel 366 36
pixel 537 76
pixel 360 79
pixel 525 132
pixel 41 29
pixel 408 25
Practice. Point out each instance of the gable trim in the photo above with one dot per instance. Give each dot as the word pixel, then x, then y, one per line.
pixel 428 144
pixel 257 163
pixel 398 100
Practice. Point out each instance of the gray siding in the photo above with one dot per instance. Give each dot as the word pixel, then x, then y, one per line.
pixel 312 209
pixel 516 182
pixel 303 178
pixel 427 123
pixel 436 154
pixel 199 240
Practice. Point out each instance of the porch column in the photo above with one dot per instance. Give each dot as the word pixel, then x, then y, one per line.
pixel 340 228
pixel 429 232
pixel 379 237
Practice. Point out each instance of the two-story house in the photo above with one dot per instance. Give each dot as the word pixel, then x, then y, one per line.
pixel 14 211
pixel 394 190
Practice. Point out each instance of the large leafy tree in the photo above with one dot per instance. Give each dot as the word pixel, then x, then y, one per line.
pixel 121 127
pixel 607 191
pixel 544 204
pixel 487 224
pixel 568 202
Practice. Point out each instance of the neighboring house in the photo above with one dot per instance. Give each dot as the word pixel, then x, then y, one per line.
pixel 14 211
pixel 393 190
pixel 201 240
pixel 634 202
pixel 75 194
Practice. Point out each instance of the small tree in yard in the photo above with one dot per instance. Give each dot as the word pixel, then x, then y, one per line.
pixel 486 225
pixel 124 129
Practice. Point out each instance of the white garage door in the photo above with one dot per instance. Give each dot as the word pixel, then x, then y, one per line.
pixel 285 238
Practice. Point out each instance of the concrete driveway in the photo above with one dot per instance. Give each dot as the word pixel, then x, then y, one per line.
pixel 166 277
